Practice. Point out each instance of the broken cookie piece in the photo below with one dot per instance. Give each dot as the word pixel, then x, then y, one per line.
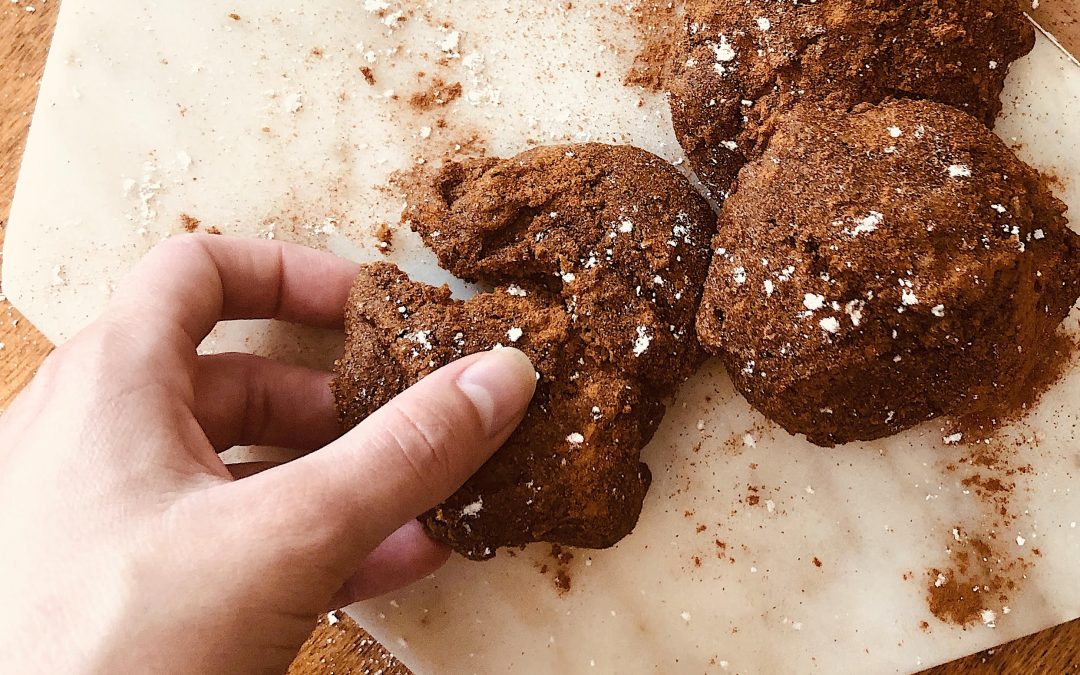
pixel 587 221
pixel 879 268
pixel 744 64
pixel 598 254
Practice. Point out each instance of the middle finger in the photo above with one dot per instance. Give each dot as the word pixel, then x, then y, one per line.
pixel 242 399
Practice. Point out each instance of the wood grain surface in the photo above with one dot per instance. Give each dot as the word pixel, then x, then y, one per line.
pixel 339 645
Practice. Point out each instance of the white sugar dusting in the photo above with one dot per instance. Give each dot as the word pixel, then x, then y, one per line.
pixel 724 53
pixel 723 50
pixel 641 344
pixel 813 301
pixel 854 309
pixel 868 224
pixel 473 510
pixel 830 325
pixel 420 337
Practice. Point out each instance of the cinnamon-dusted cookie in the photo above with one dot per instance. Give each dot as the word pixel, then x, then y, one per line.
pixel 746 63
pixel 878 268
pixel 598 254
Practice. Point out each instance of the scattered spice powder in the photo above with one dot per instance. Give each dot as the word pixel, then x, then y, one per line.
pixel 983 570
pixel 657 23
pixel 976 587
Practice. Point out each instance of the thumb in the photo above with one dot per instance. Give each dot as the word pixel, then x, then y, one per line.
pixel 404 459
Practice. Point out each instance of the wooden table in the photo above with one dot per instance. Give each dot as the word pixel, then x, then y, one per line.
pixel 343 647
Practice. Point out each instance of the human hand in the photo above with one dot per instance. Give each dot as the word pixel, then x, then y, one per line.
pixel 121 526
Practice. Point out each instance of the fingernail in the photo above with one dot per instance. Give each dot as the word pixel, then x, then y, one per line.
pixel 500 384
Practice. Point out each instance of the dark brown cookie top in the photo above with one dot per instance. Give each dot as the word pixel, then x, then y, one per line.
pixel 879 240
pixel 747 63
pixel 614 231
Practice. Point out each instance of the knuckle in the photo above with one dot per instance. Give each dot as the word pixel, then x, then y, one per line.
pixel 425 441
pixel 51 368
pixel 100 354
pixel 258 409
pixel 183 242
pixel 86 358
pixel 184 246
pixel 88 351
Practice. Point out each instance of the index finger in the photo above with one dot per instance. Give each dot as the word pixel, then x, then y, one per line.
pixel 191 282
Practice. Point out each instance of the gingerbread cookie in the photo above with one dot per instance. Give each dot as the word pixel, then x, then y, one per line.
pixel 878 268
pixel 598 254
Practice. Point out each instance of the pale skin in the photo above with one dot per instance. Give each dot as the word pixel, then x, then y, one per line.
pixel 129 546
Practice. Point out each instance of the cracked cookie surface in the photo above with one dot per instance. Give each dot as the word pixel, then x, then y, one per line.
pixel 744 64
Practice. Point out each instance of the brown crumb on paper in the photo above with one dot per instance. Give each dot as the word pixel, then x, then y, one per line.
pixel 189 223
pixel 562 558
pixel 438 94
pixel 560 562
pixel 384 238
